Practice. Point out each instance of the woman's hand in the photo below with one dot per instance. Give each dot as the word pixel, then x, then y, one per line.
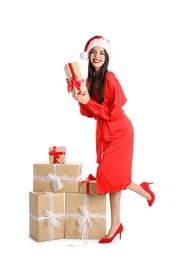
pixel 82 98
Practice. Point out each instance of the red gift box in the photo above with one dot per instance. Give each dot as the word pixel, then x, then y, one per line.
pixel 57 154
pixel 75 81
pixel 88 185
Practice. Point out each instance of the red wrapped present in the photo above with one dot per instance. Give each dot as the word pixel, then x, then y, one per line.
pixel 57 154
pixel 75 81
pixel 88 185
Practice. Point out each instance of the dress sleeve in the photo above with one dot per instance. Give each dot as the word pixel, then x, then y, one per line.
pixel 110 109
pixel 84 111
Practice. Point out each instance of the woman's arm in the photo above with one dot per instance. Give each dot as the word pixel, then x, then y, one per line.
pixel 110 109
pixel 84 111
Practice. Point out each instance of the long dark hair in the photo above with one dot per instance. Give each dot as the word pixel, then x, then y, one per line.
pixel 91 77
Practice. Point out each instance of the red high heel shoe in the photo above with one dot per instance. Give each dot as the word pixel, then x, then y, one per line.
pixel 110 239
pixel 145 186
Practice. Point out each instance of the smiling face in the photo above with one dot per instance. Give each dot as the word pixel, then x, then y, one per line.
pixel 97 57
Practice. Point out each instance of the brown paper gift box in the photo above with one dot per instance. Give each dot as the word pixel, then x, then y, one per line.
pixel 88 185
pixel 85 216
pixel 46 220
pixel 57 177
pixel 74 78
pixel 57 154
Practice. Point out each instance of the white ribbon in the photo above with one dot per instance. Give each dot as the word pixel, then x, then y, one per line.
pixel 56 183
pixel 85 220
pixel 82 220
pixel 52 218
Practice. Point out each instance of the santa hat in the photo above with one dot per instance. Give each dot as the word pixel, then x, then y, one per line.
pixel 96 41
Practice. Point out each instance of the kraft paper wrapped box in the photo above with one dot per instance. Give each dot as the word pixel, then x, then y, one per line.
pixel 57 154
pixel 57 177
pixel 47 216
pixel 85 216
pixel 88 185
pixel 75 81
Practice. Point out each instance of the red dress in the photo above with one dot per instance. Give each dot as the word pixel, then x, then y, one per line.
pixel 114 137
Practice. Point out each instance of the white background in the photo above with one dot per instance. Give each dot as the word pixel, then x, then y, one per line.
pixel 37 39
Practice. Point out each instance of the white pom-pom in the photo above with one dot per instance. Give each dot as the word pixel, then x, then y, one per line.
pixel 84 55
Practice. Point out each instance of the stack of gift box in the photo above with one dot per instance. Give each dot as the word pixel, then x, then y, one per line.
pixel 63 204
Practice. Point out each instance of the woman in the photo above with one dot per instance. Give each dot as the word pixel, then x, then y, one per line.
pixel 114 131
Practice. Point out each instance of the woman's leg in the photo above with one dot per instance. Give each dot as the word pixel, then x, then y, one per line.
pixel 115 198
pixel 138 189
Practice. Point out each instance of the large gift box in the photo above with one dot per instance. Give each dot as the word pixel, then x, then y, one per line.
pixel 85 216
pixel 46 221
pixel 75 81
pixel 88 185
pixel 57 154
pixel 57 177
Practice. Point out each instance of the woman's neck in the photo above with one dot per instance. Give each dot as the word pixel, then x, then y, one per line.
pixel 97 72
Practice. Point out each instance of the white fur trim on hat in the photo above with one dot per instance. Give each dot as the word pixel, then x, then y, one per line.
pixel 96 41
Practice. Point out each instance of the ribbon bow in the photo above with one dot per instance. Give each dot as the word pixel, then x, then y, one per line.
pixel 89 178
pixel 52 218
pixel 74 83
pixel 56 154
pixel 56 184
pixel 83 220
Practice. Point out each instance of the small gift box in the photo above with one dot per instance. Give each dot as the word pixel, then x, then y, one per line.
pixel 57 154
pixel 88 185
pixel 47 215
pixel 75 81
